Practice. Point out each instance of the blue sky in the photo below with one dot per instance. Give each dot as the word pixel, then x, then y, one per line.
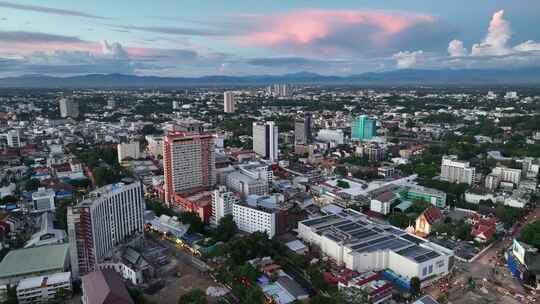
pixel 194 38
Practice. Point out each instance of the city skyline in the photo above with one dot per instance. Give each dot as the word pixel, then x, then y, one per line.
pixel 62 38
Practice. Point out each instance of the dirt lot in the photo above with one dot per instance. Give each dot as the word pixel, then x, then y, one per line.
pixel 175 286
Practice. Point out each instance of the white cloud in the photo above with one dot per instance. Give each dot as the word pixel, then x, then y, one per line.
pixel 456 48
pixel 406 59
pixel 527 46
pixel 494 43
pixel 494 50
pixel 114 50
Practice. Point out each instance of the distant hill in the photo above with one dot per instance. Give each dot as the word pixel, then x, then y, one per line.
pixel 410 77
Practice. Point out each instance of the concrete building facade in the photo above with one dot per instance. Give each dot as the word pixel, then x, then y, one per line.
pixel 110 216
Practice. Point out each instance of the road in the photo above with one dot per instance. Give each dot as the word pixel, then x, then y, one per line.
pixel 485 267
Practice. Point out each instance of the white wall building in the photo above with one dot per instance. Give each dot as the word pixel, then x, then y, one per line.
pixel 43 200
pixel 456 171
pixel 222 204
pixel 229 103
pixel 155 145
pixel 250 219
pixel 69 108
pixel 331 136
pixel 351 239
pixel 42 289
pixel 508 174
pixel 13 138
pixel 109 216
pixel 380 206
pixel 128 150
pixel 246 185
pixel 265 140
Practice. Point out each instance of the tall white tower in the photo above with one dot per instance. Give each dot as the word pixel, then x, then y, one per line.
pixel 229 104
pixel 265 140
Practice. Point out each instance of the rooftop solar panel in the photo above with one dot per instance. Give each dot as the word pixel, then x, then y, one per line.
pixel 362 234
pixel 412 238
pixel 349 227
pixel 315 221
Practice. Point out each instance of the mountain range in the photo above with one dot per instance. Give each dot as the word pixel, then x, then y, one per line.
pixel 405 77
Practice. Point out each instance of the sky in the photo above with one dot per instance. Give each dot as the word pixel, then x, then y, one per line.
pixel 253 37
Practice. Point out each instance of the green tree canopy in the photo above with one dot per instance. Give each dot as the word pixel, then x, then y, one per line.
pixel 226 229
pixel 531 234
pixel 194 296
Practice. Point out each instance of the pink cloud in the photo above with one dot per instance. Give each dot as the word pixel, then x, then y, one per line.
pixel 301 28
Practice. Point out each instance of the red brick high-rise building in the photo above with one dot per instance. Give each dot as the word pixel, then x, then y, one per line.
pixel 188 163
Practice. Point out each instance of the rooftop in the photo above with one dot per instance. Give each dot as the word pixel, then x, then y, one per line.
pixel 357 233
pixel 33 260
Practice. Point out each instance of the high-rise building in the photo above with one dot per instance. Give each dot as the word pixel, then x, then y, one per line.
pixel 508 174
pixel 11 138
pixel 302 129
pixel 456 171
pixel 109 216
pixel 279 90
pixel 69 108
pixel 111 103
pixel 229 103
pixel 128 150
pixel 363 128
pixel 265 140
pixel 188 163
pixel 222 204
pixel 331 136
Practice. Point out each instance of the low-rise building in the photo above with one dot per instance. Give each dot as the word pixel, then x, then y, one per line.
pixel 43 200
pixel 47 234
pixel 426 219
pixel 351 239
pixel 44 289
pixel 26 263
pixel 104 287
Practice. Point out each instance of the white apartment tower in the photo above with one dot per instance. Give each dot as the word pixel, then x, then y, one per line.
pixel 69 108
pixel 508 174
pixel 456 171
pixel 254 218
pixel 128 150
pixel 111 215
pixel 265 140
pixel 229 103
pixel 222 204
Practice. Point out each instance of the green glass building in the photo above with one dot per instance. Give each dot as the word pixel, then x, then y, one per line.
pixel 428 195
pixel 363 128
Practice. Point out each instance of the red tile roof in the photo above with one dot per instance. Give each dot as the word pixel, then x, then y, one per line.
pixel 432 214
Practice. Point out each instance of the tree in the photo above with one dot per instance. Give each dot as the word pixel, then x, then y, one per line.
pixel 196 225
pixel 508 215
pixel 226 229
pixel 8 199
pixel 343 184
pixel 415 285
pixel 400 220
pixel 194 296
pixel 531 234
pixel 150 130
pixel 32 185
pixel 340 170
